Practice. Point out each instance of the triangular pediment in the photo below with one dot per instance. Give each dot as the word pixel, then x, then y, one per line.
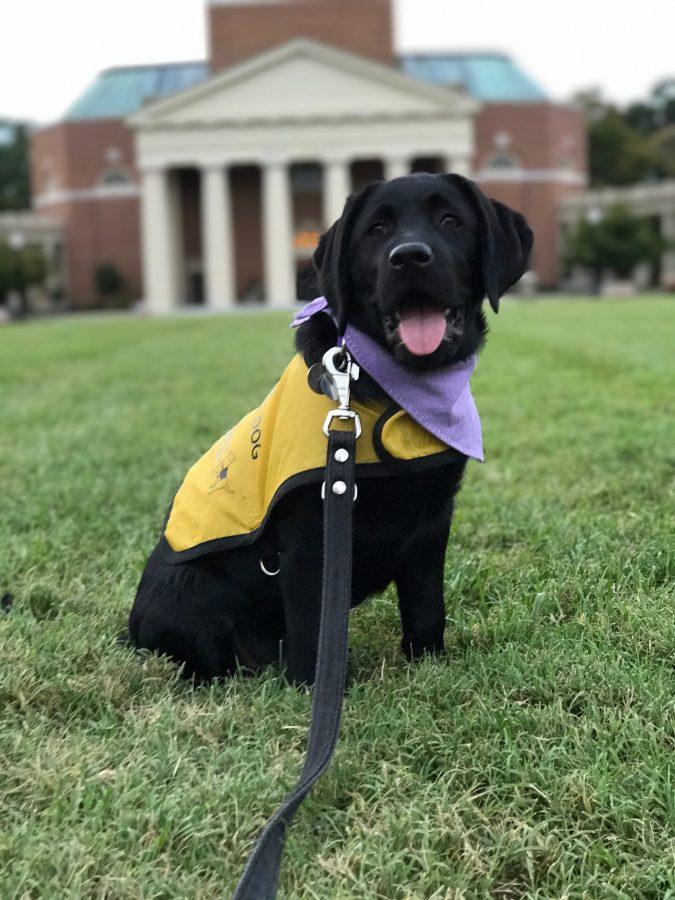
pixel 303 80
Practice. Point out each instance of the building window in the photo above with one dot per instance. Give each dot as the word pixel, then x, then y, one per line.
pixel 501 161
pixel 113 178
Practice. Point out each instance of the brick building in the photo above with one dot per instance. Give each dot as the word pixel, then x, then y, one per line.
pixel 208 182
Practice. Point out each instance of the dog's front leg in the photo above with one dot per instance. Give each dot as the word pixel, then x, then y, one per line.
pixel 419 583
pixel 301 569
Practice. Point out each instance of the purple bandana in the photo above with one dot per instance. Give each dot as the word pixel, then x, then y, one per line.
pixel 439 401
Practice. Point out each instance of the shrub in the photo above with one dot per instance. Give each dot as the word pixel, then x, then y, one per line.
pixel 616 244
pixel 110 285
pixel 20 268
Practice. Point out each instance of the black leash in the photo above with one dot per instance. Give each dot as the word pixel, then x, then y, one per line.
pixel 261 873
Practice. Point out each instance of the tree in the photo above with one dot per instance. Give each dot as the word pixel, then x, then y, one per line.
pixel 20 269
pixel 641 117
pixel 662 148
pixel 617 153
pixel 14 166
pixel 616 244
pixel 663 99
pixel 634 144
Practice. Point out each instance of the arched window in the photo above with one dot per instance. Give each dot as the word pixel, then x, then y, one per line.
pixel 501 161
pixel 113 178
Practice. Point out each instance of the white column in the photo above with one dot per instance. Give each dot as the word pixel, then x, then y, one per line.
pixel 277 212
pixel 459 165
pixel 668 258
pixel 161 251
pixel 337 186
pixel 396 166
pixel 217 238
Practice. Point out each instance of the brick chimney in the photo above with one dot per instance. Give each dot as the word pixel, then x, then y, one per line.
pixel 239 29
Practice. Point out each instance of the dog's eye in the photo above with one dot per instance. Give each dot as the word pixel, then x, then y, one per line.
pixel 450 221
pixel 377 228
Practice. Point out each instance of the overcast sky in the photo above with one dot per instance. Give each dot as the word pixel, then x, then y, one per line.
pixel 51 49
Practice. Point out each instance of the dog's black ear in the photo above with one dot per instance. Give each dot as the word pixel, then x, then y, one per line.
pixel 506 240
pixel 331 258
pixel 306 286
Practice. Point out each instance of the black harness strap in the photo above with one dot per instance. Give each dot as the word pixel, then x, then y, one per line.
pixel 261 874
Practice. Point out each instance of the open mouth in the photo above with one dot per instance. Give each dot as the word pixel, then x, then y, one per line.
pixel 422 327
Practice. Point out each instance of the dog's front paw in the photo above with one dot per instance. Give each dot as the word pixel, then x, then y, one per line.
pixel 300 672
pixel 416 648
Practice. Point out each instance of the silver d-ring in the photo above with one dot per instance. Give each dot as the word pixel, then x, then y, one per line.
pixel 267 571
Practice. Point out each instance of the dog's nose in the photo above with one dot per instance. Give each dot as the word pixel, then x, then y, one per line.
pixel 414 253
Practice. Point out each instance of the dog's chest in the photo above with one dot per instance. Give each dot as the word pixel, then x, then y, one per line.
pixel 390 511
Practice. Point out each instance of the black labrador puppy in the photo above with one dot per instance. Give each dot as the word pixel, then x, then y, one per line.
pixel 422 242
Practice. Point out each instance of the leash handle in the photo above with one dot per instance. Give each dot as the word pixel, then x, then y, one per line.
pixel 261 874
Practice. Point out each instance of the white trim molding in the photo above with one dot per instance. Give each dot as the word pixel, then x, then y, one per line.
pixel 649 199
pixel 29 221
pixel 555 176
pixel 76 195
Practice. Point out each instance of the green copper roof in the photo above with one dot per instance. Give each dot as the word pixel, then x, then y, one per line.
pixel 119 92
pixel 488 77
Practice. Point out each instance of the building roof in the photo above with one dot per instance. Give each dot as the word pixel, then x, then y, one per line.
pixel 116 93
pixel 487 77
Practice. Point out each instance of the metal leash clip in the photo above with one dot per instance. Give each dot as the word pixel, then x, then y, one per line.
pixel 339 370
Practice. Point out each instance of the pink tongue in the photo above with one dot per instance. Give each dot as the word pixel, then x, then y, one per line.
pixel 422 330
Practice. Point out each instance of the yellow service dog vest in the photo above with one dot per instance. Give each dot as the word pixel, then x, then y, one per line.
pixel 228 494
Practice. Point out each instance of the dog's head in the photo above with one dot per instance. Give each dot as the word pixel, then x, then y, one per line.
pixel 411 260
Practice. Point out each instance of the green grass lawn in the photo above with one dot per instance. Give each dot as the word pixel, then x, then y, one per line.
pixel 537 760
